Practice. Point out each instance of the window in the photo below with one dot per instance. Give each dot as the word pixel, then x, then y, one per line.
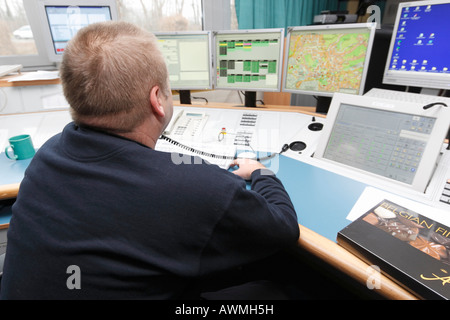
pixel 16 37
pixel 18 45
pixel 163 15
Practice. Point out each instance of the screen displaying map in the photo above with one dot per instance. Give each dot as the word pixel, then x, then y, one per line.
pixel 327 61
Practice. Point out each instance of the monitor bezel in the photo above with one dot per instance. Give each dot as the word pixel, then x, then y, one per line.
pixel 408 78
pixel 430 155
pixel 48 40
pixel 369 25
pixel 243 32
pixel 210 57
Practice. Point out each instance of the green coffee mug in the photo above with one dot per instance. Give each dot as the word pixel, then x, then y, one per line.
pixel 22 147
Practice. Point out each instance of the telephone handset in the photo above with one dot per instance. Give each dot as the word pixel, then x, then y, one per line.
pixel 186 123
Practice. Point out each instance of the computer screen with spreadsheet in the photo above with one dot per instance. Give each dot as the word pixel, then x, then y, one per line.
pixel 418 54
pixel 393 140
pixel 249 60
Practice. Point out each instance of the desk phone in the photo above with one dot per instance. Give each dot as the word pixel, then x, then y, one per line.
pixel 186 124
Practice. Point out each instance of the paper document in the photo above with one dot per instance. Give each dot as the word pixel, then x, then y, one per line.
pixel 38 75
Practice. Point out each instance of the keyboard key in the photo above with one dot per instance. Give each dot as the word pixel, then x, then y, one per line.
pixel 445 199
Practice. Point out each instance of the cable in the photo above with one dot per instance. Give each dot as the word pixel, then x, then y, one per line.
pixel 434 104
pixel 211 155
pixel 193 150
pixel 206 100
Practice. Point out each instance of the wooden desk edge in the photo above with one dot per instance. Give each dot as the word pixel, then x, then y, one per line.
pixel 338 257
pixel 234 106
pixel 9 191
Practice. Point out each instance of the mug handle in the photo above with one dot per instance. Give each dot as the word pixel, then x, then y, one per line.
pixel 6 152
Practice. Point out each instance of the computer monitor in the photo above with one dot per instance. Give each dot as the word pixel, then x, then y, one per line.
pixel 420 46
pixel 249 60
pixel 188 57
pixel 323 59
pixel 61 20
pixel 393 141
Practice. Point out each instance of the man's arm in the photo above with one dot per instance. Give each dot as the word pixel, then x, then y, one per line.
pixel 257 223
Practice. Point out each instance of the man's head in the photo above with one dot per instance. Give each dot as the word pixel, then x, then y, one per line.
pixel 108 72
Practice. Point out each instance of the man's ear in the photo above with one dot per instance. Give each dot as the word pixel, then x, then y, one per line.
pixel 156 102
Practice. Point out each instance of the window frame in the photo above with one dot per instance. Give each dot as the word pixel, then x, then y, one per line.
pixel 34 61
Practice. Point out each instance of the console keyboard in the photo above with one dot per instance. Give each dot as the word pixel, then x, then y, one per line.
pixel 406 96
pixel 445 197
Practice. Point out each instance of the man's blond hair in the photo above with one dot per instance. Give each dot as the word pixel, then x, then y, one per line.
pixel 107 72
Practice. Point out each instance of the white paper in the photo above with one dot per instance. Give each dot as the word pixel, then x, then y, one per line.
pixel 372 196
pixel 38 75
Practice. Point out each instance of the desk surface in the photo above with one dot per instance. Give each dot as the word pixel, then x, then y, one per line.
pixel 321 198
pixel 321 214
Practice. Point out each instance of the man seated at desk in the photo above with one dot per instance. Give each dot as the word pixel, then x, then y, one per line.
pixel 99 202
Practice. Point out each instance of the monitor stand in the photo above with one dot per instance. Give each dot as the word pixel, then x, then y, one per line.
pixel 250 99
pixel 185 96
pixel 430 92
pixel 323 104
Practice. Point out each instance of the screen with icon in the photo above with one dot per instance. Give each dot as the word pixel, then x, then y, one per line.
pixel 420 44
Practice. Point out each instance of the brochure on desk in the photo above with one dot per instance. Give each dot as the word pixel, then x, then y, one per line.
pixel 407 246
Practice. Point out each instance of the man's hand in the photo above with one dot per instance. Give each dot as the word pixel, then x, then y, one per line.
pixel 246 167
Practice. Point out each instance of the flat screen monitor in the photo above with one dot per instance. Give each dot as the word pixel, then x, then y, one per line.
pixel 61 20
pixel 395 141
pixel 249 60
pixel 420 46
pixel 188 56
pixel 322 60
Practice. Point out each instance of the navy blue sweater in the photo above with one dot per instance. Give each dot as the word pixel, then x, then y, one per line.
pixel 136 224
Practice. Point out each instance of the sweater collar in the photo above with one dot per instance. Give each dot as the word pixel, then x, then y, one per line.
pixel 85 142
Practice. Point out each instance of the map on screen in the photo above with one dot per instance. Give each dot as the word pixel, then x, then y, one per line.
pixel 327 61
